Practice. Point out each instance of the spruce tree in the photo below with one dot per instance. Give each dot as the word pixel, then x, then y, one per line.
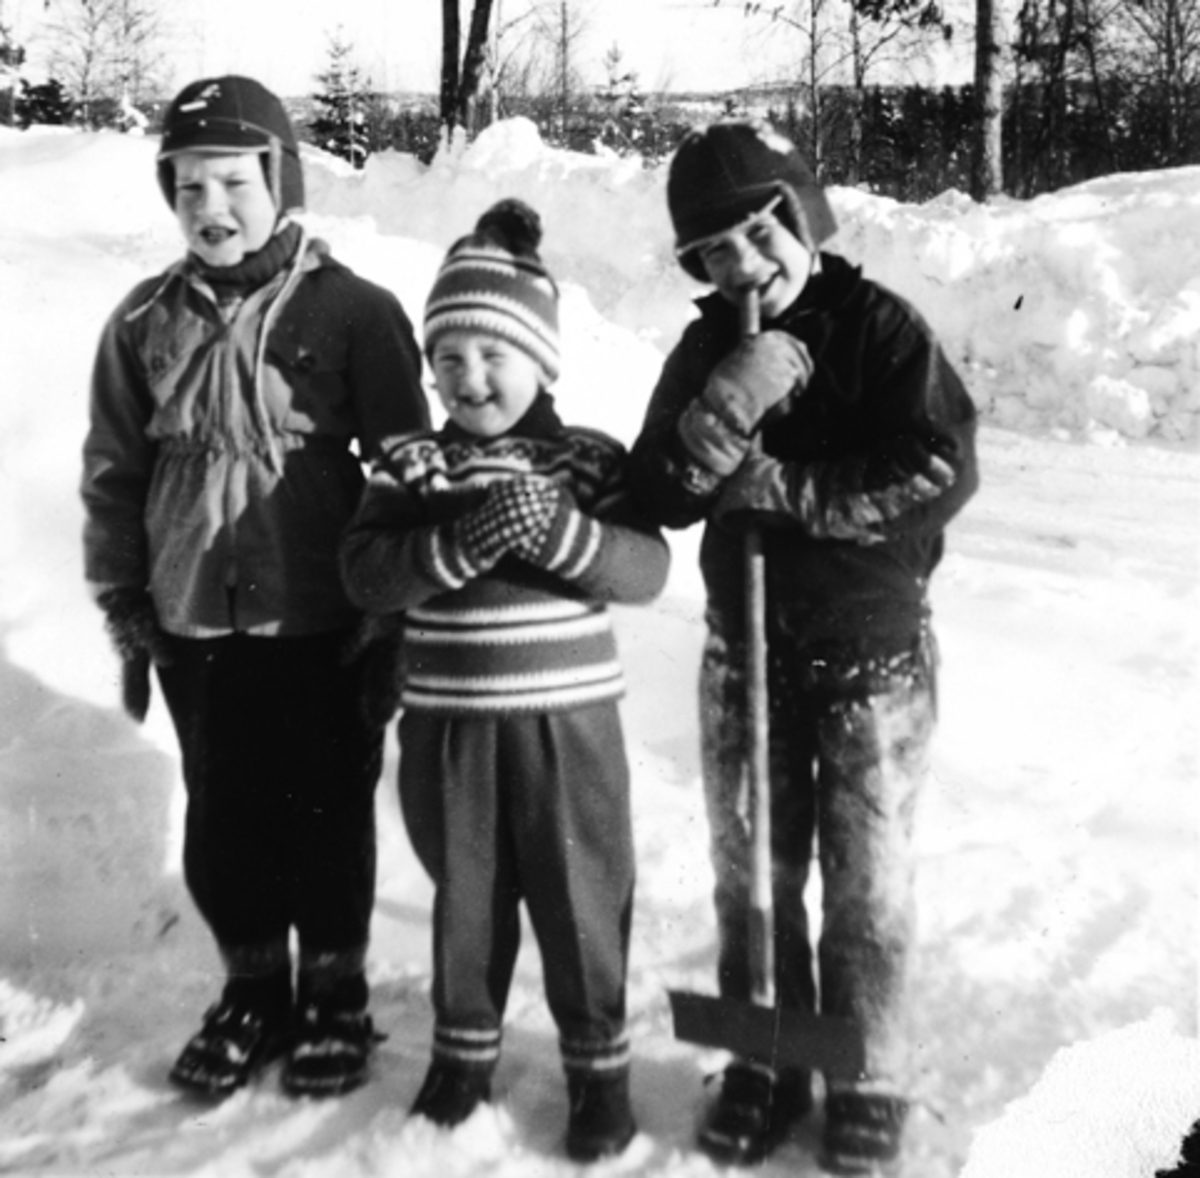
pixel 349 110
pixel 44 105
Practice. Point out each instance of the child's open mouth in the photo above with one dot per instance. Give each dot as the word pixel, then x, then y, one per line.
pixel 215 234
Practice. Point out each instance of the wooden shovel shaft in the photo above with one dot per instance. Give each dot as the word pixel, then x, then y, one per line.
pixel 762 922
pixel 757 1029
pixel 762 906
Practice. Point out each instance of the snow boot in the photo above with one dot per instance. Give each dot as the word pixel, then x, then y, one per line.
pixel 241 1034
pixel 753 1112
pixel 332 1040
pixel 863 1133
pixel 451 1092
pixel 600 1123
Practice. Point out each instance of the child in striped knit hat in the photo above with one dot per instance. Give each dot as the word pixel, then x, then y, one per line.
pixel 501 536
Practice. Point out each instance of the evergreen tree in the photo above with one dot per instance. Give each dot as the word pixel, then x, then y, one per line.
pixel 351 113
pixel 43 105
pixel 624 106
pixel 12 57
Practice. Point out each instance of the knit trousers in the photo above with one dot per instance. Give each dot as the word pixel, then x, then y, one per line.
pixel 280 770
pixel 507 808
pixel 848 749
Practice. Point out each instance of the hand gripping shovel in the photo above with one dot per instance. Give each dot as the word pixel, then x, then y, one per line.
pixel 759 1030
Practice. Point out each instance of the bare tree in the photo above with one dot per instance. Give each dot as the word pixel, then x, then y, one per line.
pixel 987 171
pixel 507 69
pixel 847 40
pixel 822 57
pixel 106 51
pixel 1161 44
pixel 460 82
pixel 554 35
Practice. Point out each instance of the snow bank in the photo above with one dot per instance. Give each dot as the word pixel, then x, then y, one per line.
pixel 1078 311
pixel 1118 1105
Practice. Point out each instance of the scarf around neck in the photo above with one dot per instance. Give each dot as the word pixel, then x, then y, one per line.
pixel 255 269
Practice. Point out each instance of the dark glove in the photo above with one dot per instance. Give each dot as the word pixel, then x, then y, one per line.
pixel 759 373
pixel 132 624
pixel 377 646
pixel 135 686
pixel 709 441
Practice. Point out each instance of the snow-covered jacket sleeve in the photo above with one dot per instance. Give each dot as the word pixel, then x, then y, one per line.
pixel 118 462
pixel 880 445
pixel 909 475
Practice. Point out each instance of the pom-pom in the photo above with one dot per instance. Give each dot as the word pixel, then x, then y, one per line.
pixel 511 225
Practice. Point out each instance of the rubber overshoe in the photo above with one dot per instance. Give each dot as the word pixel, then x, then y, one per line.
pixel 600 1123
pixel 451 1092
pixel 753 1112
pixel 863 1134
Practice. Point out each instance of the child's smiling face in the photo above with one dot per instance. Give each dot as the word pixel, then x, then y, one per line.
pixel 485 383
pixel 223 205
pixel 761 253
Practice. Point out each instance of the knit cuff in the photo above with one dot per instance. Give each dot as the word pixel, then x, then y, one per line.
pixel 572 543
pixel 444 560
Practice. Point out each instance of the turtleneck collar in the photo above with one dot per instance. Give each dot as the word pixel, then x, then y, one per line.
pixel 255 269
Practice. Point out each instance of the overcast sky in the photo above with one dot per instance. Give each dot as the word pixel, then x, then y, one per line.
pixel 671 44
pixel 678 44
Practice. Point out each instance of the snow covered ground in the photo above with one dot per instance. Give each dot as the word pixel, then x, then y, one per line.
pixel 1058 841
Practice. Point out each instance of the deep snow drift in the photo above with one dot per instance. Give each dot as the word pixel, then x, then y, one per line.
pixel 1058 836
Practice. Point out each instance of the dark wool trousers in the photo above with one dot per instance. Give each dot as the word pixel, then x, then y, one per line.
pixel 280 770
pixel 507 808
pixel 849 738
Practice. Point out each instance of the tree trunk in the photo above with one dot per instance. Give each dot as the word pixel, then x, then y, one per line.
pixel 451 35
pixel 988 174
pixel 473 58
pixel 857 103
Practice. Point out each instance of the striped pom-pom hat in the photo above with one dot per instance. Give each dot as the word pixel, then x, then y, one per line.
pixel 494 281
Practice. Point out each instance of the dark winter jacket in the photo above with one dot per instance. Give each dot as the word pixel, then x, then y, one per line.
pixel 518 637
pixel 861 470
pixel 218 469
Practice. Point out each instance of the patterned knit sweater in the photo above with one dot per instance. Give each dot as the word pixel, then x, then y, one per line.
pixel 519 637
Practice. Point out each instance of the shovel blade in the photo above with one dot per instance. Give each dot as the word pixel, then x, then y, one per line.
pixel 777 1037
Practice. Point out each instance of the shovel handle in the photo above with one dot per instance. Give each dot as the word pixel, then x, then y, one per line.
pixel 750 316
pixel 762 920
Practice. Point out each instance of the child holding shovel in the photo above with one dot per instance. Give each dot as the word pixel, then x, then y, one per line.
pixel 842 440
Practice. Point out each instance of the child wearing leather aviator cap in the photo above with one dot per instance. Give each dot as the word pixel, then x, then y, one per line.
pixel 841 435
pixel 226 397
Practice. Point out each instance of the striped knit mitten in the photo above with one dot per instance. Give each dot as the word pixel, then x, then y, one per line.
pixel 563 540
pixel 502 521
